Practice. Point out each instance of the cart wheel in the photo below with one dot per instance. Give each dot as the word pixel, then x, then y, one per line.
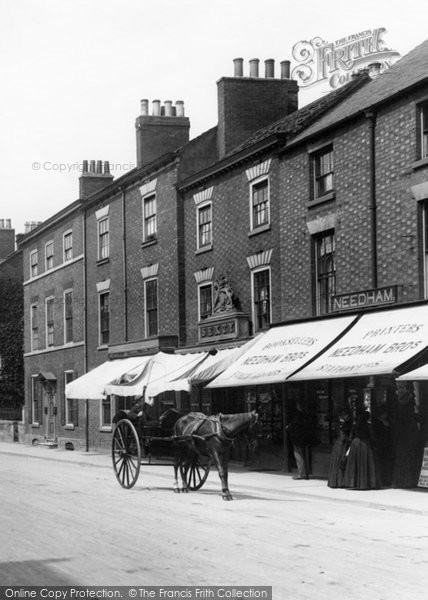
pixel 126 453
pixel 194 472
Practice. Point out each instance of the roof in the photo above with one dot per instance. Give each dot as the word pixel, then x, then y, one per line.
pixel 409 71
pixel 294 123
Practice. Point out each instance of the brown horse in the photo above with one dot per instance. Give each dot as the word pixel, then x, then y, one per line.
pixel 210 438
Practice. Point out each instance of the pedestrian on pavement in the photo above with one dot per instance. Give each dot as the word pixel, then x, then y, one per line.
pixel 300 434
pixel 340 448
pixel 360 469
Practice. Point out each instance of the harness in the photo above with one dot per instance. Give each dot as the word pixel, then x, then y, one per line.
pixel 219 433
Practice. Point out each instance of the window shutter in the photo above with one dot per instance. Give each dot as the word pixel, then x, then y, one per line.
pixel 62 400
pixel 76 413
pixel 30 403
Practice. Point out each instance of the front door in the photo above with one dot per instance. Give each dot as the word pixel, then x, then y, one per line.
pixel 49 405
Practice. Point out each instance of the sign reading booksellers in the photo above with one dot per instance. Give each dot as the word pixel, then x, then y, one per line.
pixel 365 299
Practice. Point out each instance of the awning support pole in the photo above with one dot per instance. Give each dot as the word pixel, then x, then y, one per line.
pixel 87 424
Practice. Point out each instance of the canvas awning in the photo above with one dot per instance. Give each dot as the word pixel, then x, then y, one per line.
pixel 419 374
pixel 377 344
pixel 91 386
pixel 164 372
pixel 281 351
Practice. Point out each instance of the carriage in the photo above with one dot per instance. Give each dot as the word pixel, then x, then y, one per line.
pixel 191 443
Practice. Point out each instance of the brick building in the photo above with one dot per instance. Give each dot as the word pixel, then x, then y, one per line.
pixel 277 215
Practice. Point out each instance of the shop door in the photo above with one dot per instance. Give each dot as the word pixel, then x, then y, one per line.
pixel 49 404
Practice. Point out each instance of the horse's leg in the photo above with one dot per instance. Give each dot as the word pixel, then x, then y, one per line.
pixel 183 472
pixel 221 461
pixel 177 460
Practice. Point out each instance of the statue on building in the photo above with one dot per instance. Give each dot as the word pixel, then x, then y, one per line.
pixel 224 298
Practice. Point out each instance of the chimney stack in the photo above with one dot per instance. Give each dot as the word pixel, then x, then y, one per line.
pixel 7 238
pixel 94 178
pixel 165 130
pixel 247 103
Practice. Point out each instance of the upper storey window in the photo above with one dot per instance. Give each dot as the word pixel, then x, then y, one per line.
pixel 149 218
pixel 260 204
pixel 323 173
pixel 423 130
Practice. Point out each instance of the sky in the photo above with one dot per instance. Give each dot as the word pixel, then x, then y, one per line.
pixel 74 71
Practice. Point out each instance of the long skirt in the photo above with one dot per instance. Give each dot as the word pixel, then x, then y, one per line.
pixel 337 466
pixel 360 470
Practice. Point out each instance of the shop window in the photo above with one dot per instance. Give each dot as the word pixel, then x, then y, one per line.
pixel 106 413
pixel 149 219
pixel 104 318
pixel 151 307
pixel 205 292
pixel 262 299
pixel 71 404
pixel 260 204
pixel 325 272
pixel 322 173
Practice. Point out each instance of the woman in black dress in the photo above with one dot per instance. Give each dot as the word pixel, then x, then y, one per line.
pixel 341 445
pixel 360 469
pixel 408 449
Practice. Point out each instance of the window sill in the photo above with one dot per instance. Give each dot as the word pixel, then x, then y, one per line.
pixel 35 425
pixel 105 429
pixel 423 162
pixel 321 199
pixel 260 229
pixel 69 427
pixel 103 347
pixel 206 248
pixel 102 261
pixel 146 243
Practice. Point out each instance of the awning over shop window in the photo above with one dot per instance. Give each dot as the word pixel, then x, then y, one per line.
pixel 164 372
pixel 281 351
pixel 379 343
pixel 419 374
pixel 91 386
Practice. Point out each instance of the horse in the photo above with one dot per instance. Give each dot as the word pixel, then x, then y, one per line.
pixel 210 437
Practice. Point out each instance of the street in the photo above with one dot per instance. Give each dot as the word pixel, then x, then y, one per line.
pixel 67 524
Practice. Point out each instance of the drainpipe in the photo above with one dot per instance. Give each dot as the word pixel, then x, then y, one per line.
pixel 124 270
pixel 371 116
pixel 85 329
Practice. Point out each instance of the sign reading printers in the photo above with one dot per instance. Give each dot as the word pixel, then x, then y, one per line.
pixel 376 345
pixel 281 351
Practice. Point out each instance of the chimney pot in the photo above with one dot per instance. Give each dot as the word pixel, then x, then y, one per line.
pixel 179 108
pixel 144 107
pixel 285 69
pixel 168 108
pixel 8 224
pixel 106 167
pixel 156 105
pixel 85 166
pixel 100 166
pixel 254 67
pixel 92 166
pixel 1 223
pixel 270 67
pixel 238 67
pixel 374 69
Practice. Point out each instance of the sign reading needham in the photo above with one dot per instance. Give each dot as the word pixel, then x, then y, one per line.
pixel 281 351
pixel 377 344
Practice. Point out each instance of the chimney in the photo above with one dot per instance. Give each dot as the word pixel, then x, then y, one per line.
pixel 374 69
pixel 165 130
pixel 7 238
pixel 94 178
pixel 247 103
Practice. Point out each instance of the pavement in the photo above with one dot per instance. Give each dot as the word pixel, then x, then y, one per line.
pixel 413 501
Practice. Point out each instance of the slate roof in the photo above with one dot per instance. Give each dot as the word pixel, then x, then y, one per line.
pixel 295 122
pixel 407 72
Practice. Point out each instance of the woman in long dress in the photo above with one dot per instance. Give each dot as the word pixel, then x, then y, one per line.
pixel 360 470
pixel 340 448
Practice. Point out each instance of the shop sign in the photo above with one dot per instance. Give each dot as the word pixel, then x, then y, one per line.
pixel 218 330
pixel 365 299
pixel 320 61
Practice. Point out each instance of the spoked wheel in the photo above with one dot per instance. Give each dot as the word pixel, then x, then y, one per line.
pixel 126 453
pixel 195 472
